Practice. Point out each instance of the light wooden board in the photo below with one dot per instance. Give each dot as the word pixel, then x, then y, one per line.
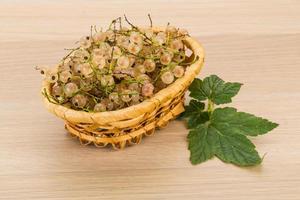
pixel 255 42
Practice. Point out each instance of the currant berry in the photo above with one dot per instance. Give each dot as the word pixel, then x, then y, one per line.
pixel 136 38
pixel 100 107
pixel 133 48
pixel 147 90
pixel 167 77
pixel 149 65
pixel 70 89
pixel 125 96
pixel 178 71
pixel 56 90
pixel 65 76
pixel 85 42
pixel 51 76
pixel 165 59
pixel 123 62
pixel 79 100
pixel 114 97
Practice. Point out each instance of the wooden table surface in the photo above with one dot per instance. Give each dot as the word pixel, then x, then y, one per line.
pixel 255 42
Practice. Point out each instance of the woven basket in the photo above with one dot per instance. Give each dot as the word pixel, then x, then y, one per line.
pixel 128 125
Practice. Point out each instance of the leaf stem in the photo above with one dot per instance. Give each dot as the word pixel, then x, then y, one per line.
pixel 210 107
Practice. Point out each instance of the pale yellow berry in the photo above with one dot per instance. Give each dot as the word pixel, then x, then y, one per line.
pixel 85 42
pixel 136 38
pixel 167 77
pixel 99 37
pixel 149 65
pixel 81 55
pixel 51 76
pixel 133 48
pixel 125 96
pixel 165 59
pixel 139 69
pixel 70 89
pixel 79 100
pixel 160 38
pixel 86 70
pixel 100 107
pixel 113 96
pixel 57 90
pixel 178 71
pixel 147 90
pixel 65 76
pixel 100 61
pixel 176 45
pixel 123 62
pixel 107 80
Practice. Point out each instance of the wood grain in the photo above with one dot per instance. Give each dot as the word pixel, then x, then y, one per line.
pixel 254 42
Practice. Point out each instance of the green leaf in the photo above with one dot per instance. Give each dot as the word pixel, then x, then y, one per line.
pixel 194 113
pixel 214 89
pixel 225 135
pixel 231 121
pixel 200 144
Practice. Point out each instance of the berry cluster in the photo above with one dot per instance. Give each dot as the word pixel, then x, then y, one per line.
pixel 117 68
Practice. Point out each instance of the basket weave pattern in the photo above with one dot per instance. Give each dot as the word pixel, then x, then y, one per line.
pixel 127 126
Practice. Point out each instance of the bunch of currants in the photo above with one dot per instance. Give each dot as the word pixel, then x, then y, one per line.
pixel 117 68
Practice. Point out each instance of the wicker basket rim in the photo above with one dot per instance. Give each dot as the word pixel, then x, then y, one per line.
pixel 134 111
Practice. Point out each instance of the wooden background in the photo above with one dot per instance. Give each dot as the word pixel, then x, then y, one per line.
pixel 255 42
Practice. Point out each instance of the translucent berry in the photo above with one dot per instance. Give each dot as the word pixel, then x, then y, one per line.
pixel 56 90
pixel 114 96
pixel 65 76
pixel 70 89
pixel 167 77
pixel 160 38
pixel 176 45
pixel 51 76
pixel 147 90
pixel 149 65
pixel 165 59
pixel 178 71
pixel 79 100
pixel 68 64
pixel 143 78
pixel 180 57
pixel 139 69
pixel 99 37
pixel 135 97
pixel 136 38
pixel 126 96
pixel 85 42
pixel 133 48
pixel 110 35
pixel 81 55
pixel 86 70
pixel 100 61
pixel 108 103
pixel 107 80
pixel 123 62
pixel 100 107
pixel 134 87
